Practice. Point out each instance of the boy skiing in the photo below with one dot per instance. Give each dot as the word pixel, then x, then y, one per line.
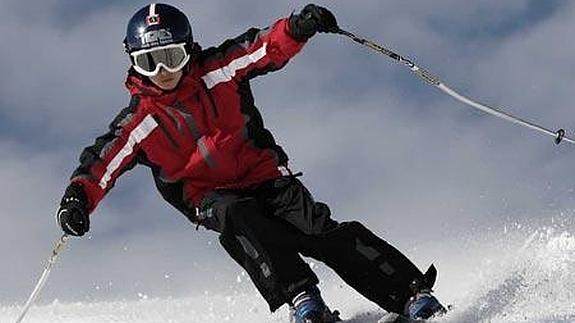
pixel 193 122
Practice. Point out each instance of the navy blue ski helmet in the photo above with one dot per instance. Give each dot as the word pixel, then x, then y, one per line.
pixel 157 25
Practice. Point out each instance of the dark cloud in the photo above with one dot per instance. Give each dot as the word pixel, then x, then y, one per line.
pixel 492 23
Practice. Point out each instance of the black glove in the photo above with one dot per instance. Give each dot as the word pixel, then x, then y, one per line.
pixel 73 214
pixel 311 20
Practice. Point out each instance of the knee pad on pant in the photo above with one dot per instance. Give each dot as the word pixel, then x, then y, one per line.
pixel 250 238
pixel 369 264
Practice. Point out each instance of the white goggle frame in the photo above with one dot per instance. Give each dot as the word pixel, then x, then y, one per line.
pixel 160 65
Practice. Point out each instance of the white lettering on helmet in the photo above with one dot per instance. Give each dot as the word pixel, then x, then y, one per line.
pixel 156 38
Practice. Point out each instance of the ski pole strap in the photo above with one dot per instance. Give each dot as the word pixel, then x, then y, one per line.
pixel 431 79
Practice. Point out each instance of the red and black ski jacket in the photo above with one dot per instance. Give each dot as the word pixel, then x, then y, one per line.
pixel 205 134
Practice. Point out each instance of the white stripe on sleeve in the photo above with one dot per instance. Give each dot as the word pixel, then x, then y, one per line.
pixel 139 133
pixel 226 73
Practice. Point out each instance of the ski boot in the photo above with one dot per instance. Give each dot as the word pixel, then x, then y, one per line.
pixel 423 305
pixel 309 307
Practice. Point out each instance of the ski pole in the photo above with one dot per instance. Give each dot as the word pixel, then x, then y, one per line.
pixel 431 79
pixel 53 257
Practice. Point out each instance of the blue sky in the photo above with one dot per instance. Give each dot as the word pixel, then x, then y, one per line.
pixel 373 141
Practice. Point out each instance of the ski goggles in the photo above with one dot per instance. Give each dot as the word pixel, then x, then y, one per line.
pixel 170 57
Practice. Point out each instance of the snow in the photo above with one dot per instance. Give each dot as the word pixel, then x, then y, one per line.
pixel 511 274
pixel 532 282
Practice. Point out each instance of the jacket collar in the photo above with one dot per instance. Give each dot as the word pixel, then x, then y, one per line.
pixel 138 84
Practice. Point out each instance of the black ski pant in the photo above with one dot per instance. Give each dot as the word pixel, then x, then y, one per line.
pixel 266 228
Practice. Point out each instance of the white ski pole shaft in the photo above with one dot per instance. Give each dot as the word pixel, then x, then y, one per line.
pixel 431 79
pixel 57 248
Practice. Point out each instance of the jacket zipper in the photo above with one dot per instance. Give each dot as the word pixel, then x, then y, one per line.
pixel 167 133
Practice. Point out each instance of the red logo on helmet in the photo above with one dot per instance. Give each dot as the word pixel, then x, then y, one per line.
pixel 153 20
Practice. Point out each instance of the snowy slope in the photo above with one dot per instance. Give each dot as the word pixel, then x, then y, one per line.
pixel 514 274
